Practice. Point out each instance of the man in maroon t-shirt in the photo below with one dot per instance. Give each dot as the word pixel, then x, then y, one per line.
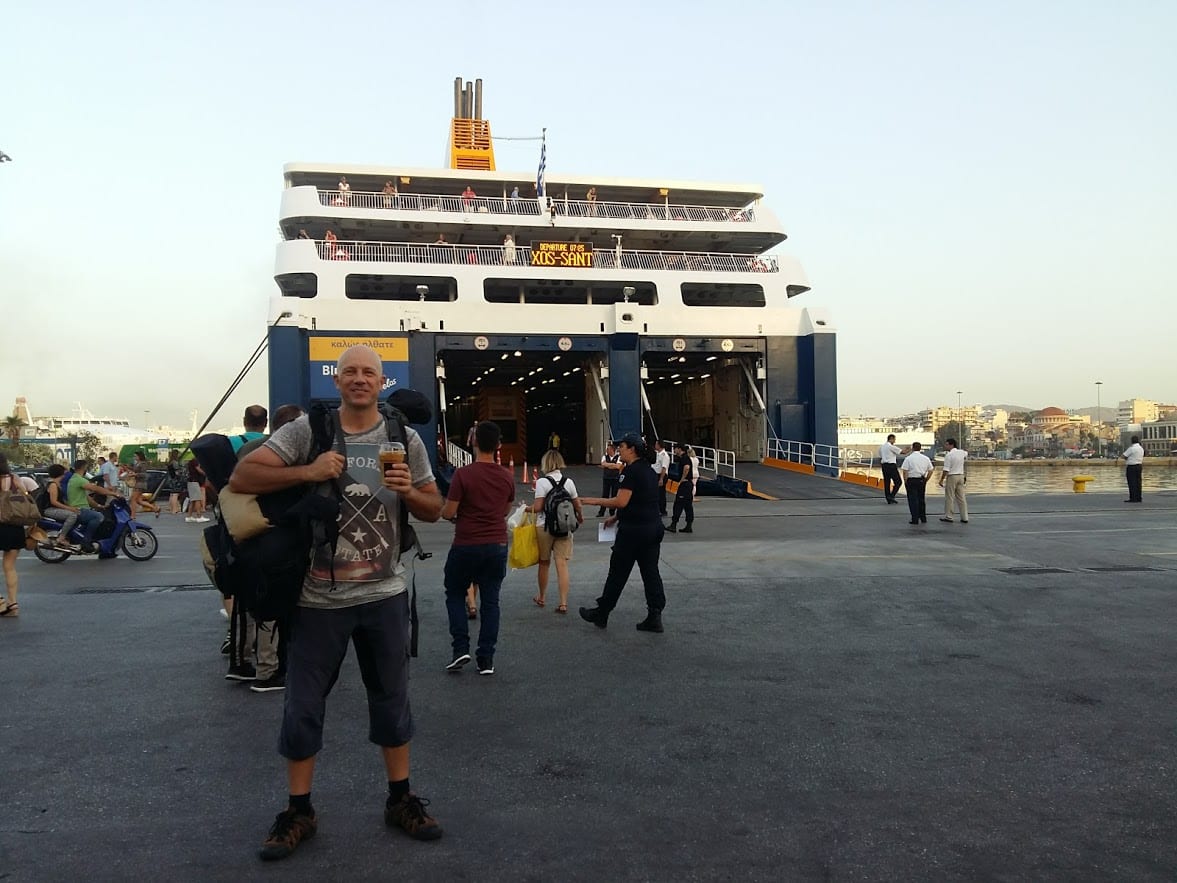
pixel 480 499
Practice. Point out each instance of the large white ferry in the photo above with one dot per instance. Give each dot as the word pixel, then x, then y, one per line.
pixel 551 303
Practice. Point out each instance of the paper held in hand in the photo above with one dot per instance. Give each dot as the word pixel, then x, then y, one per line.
pixel 606 534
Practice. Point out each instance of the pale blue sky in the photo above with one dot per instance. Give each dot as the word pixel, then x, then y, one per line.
pixel 981 194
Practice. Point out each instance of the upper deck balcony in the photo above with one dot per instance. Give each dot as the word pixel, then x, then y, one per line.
pixel 483 220
pixel 484 206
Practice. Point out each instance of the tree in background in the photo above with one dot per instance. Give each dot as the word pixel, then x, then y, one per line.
pixel 951 429
pixel 12 427
pixel 90 447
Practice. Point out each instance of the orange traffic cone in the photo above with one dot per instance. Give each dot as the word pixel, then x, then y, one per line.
pixel 523 475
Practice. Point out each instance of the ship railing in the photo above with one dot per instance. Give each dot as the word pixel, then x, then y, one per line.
pixel 710 459
pixel 790 451
pixel 457 456
pixel 506 205
pixel 827 459
pixel 499 255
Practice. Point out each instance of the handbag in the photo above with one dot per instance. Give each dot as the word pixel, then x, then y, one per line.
pixel 17 508
pixel 524 550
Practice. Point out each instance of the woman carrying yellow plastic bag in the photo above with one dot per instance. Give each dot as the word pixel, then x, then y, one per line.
pixel 524 544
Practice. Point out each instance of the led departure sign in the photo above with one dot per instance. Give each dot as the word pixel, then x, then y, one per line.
pixel 561 254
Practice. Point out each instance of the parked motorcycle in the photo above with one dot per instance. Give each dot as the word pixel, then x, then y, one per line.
pixel 118 531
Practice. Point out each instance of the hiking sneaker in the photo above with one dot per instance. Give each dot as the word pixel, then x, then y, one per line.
pixel 486 665
pixel 409 814
pixel 272 684
pixel 457 662
pixel 290 828
pixel 242 672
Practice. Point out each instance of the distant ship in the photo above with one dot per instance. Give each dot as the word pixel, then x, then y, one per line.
pixel 113 432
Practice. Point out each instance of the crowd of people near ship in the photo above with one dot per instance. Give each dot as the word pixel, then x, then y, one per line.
pixel 357 592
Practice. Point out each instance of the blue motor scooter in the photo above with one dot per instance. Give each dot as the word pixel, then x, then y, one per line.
pixel 118 531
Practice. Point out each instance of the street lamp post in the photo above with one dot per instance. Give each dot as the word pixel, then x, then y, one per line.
pixel 1098 421
pixel 960 420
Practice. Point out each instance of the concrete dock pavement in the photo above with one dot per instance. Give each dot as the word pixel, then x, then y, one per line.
pixel 838 695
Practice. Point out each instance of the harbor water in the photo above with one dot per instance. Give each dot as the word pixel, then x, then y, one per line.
pixel 1054 476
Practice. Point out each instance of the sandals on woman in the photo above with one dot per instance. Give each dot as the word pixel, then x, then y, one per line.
pixel 472 613
pixel 10 610
pixel 563 608
pixel 538 601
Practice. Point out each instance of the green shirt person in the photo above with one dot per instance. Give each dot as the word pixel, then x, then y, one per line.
pixel 76 494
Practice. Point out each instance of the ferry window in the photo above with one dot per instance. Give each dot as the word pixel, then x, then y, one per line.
pixel 696 294
pixel 298 284
pixel 566 291
pixel 362 286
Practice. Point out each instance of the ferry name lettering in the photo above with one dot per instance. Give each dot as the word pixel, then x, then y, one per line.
pixel 561 258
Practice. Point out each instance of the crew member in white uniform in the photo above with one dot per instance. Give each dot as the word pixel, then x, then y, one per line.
pixel 952 479
pixel 916 469
pixel 1134 469
pixel 888 452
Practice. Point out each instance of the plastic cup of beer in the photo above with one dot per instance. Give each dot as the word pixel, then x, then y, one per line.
pixel 390 453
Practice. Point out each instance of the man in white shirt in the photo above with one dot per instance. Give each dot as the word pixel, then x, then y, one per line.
pixel 952 480
pixel 662 468
pixel 916 469
pixel 888 452
pixel 1134 469
pixel 110 472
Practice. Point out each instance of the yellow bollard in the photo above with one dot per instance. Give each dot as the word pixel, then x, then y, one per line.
pixel 1080 483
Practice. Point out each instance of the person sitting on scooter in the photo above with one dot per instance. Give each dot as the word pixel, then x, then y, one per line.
pixel 59 510
pixel 76 491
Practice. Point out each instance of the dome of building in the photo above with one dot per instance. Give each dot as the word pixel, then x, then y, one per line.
pixel 1052 412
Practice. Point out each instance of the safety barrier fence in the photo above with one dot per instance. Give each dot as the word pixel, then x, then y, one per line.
pixel 711 459
pixel 831 459
pixel 521 256
pixel 507 205
pixel 457 456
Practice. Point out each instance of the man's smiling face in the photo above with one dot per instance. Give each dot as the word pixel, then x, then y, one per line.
pixel 359 377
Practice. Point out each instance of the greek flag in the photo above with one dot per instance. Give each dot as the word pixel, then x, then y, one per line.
pixel 543 164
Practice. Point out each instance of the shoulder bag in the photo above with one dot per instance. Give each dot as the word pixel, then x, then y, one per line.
pixel 17 508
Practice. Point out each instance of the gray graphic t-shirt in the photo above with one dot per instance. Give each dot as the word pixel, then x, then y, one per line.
pixel 367 559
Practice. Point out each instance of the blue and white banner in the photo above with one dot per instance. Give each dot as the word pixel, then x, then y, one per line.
pixel 543 164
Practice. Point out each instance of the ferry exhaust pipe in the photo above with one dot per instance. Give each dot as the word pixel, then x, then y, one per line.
pixel 478 99
pixel 457 97
pixel 469 108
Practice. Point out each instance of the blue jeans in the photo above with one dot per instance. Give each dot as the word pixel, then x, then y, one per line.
pixel 485 565
pixel 90 521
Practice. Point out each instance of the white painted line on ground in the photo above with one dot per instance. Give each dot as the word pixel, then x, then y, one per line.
pixel 1102 530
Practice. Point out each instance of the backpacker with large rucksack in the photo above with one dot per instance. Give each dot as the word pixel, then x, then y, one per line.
pixel 260 546
pixel 559 510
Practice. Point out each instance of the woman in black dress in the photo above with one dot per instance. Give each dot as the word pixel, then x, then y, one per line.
pixel 639 536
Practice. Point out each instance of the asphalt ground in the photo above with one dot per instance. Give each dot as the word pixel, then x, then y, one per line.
pixel 838 696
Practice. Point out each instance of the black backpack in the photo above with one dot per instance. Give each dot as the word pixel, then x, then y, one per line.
pixel 559 510
pixel 265 573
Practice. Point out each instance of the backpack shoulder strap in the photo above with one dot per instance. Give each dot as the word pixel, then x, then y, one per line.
pixel 394 426
pixel 560 485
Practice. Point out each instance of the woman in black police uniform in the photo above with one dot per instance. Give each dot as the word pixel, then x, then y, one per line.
pixel 639 536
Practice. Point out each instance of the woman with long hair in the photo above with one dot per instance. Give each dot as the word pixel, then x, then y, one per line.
pixel 639 536
pixel 12 540
pixel 553 547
